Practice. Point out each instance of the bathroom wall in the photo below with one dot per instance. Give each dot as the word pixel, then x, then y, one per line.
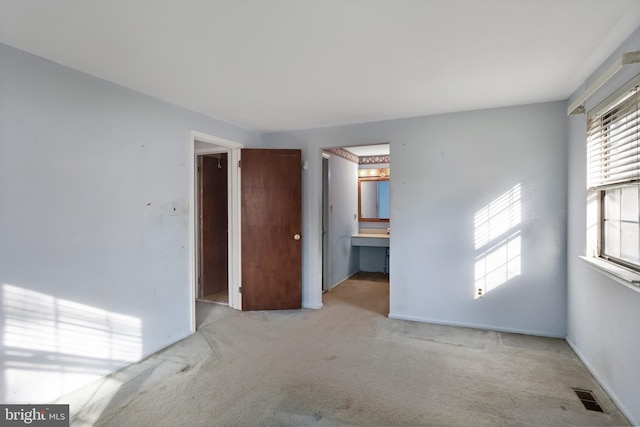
pixel 374 259
pixel 343 219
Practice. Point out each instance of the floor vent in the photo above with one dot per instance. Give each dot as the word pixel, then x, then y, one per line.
pixel 588 400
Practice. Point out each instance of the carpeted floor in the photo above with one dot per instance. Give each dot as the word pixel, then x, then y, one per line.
pixel 345 364
pixel 219 297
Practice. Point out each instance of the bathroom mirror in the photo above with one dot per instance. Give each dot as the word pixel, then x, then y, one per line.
pixel 373 199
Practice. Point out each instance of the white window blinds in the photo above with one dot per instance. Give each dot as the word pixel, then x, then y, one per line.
pixel 613 143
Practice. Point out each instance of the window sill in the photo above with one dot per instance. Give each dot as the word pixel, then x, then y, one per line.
pixel 626 277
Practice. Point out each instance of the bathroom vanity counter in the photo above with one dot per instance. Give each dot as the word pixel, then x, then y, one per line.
pixel 370 239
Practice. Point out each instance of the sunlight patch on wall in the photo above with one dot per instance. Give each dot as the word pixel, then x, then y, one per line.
pixel 497 242
pixel 53 346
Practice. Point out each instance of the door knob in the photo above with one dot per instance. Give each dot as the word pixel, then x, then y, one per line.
pixel 296 236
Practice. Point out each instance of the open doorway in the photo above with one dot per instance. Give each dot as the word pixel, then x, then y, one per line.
pixel 215 198
pixel 355 242
pixel 213 228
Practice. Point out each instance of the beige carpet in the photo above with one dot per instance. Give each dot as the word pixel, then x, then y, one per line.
pixel 219 297
pixel 346 364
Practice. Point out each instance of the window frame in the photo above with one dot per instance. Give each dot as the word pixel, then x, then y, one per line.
pixel 601 226
pixel 599 190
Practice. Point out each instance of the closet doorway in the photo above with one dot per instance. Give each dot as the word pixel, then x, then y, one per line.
pixel 213 223
pixel 207 283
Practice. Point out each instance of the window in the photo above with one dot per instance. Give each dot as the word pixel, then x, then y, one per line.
pixel 613 168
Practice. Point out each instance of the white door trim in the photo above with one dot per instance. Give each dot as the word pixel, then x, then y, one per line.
pixel 233 191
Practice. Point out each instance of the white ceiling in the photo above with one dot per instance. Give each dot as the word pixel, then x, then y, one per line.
pixel 369 150
pixel 293 64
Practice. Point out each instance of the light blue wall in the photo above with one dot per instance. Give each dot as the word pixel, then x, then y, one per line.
pixel 90 174
pixel 603 315
pixel 446 168
pixel 374 259
pixel 343 220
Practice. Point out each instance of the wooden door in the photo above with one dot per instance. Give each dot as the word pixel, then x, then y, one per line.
pixel 214 240
pixel 271 211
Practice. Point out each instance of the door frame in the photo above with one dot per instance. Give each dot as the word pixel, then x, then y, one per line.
pixel 331 185
pixel 199 144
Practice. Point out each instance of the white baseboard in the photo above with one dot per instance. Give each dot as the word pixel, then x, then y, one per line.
pixel 313 306
pixel 472 325
pixel 162 347
pixel 341 280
